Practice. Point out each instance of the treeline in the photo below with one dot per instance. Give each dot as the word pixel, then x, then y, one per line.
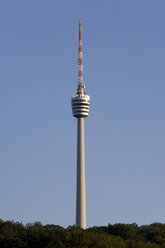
pixel 36 235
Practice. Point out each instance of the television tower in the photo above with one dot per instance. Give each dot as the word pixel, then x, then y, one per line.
pixel 80 108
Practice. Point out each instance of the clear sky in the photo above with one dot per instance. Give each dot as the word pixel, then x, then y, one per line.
pixel 124 73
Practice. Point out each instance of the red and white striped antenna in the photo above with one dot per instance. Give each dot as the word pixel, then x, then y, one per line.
pixel 80 56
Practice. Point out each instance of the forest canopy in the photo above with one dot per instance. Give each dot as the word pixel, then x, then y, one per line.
pixel 35 235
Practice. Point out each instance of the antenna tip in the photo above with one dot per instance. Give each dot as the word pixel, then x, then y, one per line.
pixel 80 22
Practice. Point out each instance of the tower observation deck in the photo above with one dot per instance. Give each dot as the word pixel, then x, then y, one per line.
pixel 80 104
pixel 80 108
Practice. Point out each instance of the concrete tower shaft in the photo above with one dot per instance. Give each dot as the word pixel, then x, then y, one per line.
pixel 80 108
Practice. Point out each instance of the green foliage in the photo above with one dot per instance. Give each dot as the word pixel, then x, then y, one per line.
pixel 16 235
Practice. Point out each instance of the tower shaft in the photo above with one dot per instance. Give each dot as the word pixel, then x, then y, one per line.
pixel 80 198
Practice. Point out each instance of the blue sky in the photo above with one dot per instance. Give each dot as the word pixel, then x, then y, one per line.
pixel 124 61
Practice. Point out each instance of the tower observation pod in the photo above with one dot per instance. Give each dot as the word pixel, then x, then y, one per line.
pixel 80 108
